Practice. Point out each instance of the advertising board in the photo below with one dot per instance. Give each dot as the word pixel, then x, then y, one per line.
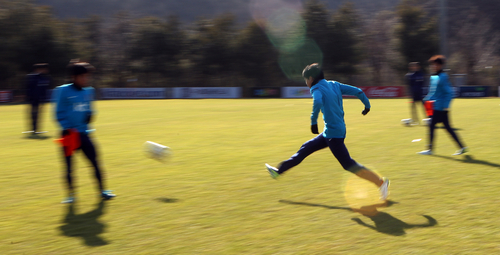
pixel 135 93
pixel 207 92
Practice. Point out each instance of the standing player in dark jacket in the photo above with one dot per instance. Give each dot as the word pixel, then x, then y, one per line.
pixel 73 108
pixel 415 78
pixel 37 84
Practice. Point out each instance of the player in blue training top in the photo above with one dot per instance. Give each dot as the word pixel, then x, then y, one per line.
pixel 73 109
pixel 441 92
pixel 327 98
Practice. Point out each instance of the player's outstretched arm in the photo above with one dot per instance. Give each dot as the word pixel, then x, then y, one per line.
pixel 357 92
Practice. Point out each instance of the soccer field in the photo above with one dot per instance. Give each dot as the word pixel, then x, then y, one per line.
pixel 214 196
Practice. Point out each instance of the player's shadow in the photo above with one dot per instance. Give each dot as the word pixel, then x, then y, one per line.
pixel 470 159
pixel 37 137
pixel 167 200
pixel 85 226
pixel 454 129
pixel 383 222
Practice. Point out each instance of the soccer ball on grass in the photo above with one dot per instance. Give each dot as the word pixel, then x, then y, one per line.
pixel 157 151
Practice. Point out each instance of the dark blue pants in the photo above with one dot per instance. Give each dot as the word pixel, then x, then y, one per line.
pixel 336 145
pixel 34 113
pixel 442 116
pixel 88 149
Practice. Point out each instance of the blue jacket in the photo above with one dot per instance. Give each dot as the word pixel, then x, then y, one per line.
pixel 327 97
pixel 73 106
pixel 440 91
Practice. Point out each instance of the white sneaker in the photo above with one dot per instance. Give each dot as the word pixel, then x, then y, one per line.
pixel 425 152
pixel 273 171
pixel 406 122
pixel 461 151
pixel 68 200
pixel 384 189
pixel 426 121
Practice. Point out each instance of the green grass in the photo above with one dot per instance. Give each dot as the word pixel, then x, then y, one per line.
pixel 214 196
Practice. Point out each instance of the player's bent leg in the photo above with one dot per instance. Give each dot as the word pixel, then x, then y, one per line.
pixel 454 135
pixel 90 152
pixel 309 147
pixel 381 183
pixel 69 182
pixel 340 151
pixel 436 118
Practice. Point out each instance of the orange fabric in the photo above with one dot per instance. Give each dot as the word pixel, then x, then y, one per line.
pixel 429 105
pixel 70 142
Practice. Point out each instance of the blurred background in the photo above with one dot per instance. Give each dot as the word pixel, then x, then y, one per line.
pixel 246 43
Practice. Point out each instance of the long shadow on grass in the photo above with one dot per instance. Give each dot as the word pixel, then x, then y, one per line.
pixel 85 226
pixel 469 159
pixel 167 200
pixel 454 129
pixel 37 137
pixel 384 222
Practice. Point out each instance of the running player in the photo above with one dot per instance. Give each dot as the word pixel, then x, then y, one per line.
pixel 327 98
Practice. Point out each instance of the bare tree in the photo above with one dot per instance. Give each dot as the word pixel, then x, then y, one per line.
pixel 378 44
pixel 477 43
pixel 115 48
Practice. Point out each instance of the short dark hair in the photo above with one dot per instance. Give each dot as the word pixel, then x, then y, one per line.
pixel 313 70
pixel 77 68
pixel 438 59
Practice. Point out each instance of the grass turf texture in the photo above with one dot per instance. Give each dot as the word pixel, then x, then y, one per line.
pixel 214 195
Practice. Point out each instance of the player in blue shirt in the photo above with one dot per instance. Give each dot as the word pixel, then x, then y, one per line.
pixel 73 108
pixel 441 92
pixel 327 98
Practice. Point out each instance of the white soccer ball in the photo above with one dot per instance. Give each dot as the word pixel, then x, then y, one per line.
pixel 157 151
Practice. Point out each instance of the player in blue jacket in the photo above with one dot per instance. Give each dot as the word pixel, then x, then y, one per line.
pixel 73 110
pixel 441 93
pixel 327 98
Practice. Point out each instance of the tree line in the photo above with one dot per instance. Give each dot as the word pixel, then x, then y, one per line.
pixel 164 52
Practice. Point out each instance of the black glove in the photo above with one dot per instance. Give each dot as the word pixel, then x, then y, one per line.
pixel 365 111
pixel 314 129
